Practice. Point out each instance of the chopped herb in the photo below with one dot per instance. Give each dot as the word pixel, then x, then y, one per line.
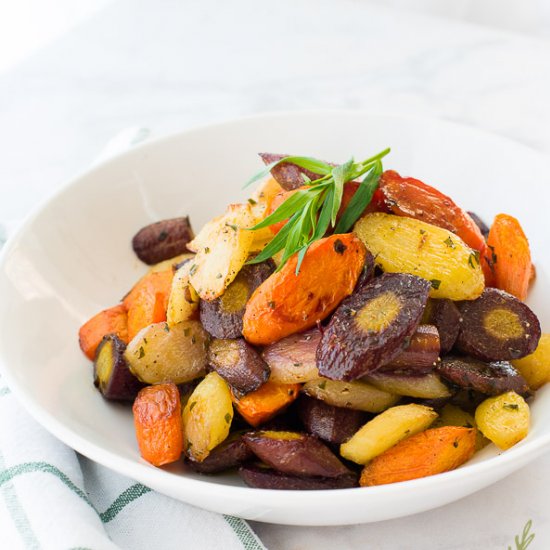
pixel 145 340
pixel 297 364
pixel 252 202
pixel 323 385
pixel 193 269
pixel 206 250
pixel 219 276
pixel 436 283
pixel 449 242
pixel 493 255
pixel 455 443
pixel 189 444
pixel 473 257
pixel 141 352
pixel 227 418
pixel 339 247
pixel 192 405
pixel 232 225
pixel 193 339
pixel 271 304
pixel 163 236
pixel 290 392
pixel 422 231
pixel 166 327
pixel 511 406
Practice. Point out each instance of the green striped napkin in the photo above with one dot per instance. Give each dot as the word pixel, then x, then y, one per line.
pixel 51 497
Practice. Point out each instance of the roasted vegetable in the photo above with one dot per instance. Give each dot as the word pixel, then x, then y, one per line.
pixel 223 317
pixel 451 415
pixel 147 302
pixel 229 454
pixel 497 327
pixel 535 368
pixel 332 424
pixel 386 430
pixel 424 386
pixel 288 175
pixel 162 240
pixel 183 303
pixel 287 303
pixel 295 454
pixel 350 395
pixel 509 256
pixel 292 359
pixel 488 378
pixel 263 404
pixel 428 453
pixel 109 321
pixel 482 226
pixel 262 477
pixel 412 198
pixel 406 245
pixel 421 354
pixel 160 353
pixel 371 327
pixel 112 377
pixel 504 419
pixel 172 263
pixel 445 316
pixel 239 364
pixel 158 423
pixel 207 417
pixel 222 248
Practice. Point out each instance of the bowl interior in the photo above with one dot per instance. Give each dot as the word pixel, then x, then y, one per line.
pixel 73 257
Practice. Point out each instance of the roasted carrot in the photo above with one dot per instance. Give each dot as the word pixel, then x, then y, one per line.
pixel 510 256
pixel 109 321
pixel 263 404
pixel 158 423
pixel 286 303
pixel 414 199
pixel 425 454
pixel 147 302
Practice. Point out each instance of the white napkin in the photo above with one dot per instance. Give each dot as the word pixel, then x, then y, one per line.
pixel 53 498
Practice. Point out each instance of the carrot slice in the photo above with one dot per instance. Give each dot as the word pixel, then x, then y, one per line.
pixel 147 302
pixel 428 453
pixel 286 303
pixel 510 256
pixel 414 199
pixel 263 404
pixel 158 423
pixel 109 321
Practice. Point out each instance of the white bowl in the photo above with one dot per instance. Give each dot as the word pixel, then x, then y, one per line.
pixel 73 258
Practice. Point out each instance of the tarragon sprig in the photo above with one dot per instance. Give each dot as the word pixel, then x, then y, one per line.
pixel 312 211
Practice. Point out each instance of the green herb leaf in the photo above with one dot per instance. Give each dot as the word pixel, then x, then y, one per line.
pixel 361 199
pixel 313 165
pixel 436 283
pixel 341 174
pixel 526 537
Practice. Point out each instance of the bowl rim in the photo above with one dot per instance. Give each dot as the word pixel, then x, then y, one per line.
pixel 141 470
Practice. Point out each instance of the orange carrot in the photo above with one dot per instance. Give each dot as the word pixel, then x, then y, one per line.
pixel 109 321
pixel 263 404
pixel 425 454
pixel 158 423
pixel 287 303
pixel 414 199
pixel 510 256
pixel 148 300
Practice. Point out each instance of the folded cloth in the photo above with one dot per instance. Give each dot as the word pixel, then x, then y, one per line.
pixel 53 498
